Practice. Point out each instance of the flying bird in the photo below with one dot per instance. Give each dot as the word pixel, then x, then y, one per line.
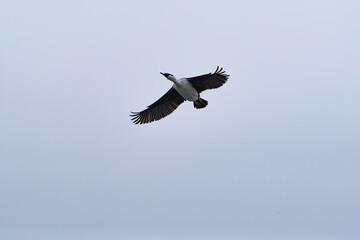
pixel 183 89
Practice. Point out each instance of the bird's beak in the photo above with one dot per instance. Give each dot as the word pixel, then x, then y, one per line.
pixel 162 73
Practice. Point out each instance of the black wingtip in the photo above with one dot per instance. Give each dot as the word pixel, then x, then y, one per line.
pixel 133 114
pixel 221 72
pixel 219 69
pixel 135 117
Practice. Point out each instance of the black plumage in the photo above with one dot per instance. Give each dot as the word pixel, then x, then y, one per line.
pixel 159 109
pixel 209 81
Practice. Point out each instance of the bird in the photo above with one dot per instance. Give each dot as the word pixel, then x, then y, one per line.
pixel 183 89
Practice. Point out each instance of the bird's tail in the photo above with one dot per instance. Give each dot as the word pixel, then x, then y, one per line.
pixel 200 103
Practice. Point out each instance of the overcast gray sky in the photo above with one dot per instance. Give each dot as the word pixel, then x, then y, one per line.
pixel 275 154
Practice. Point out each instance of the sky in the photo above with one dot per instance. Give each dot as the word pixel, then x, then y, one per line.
pixel 275 154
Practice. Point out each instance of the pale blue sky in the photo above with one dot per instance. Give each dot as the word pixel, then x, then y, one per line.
pixel 274 155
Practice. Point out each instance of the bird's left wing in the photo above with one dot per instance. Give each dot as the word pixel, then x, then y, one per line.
pixel 159 109
pixel 209 81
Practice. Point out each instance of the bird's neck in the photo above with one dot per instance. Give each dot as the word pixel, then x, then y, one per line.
pixel 173 79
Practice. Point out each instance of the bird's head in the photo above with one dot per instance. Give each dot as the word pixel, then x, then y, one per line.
pixel 169 76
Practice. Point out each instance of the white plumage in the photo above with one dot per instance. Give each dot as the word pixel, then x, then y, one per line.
pixel 186 90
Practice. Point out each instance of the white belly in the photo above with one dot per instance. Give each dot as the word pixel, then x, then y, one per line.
pixel 186 90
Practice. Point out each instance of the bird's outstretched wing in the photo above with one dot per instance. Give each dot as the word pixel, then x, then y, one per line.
pixel 159 109
pixel 209 81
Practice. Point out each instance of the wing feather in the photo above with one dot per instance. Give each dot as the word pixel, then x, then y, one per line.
pixel 210 80
pixel 159 109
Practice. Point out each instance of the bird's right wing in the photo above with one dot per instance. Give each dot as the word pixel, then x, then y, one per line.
pixel 209 81
pixel 159 109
